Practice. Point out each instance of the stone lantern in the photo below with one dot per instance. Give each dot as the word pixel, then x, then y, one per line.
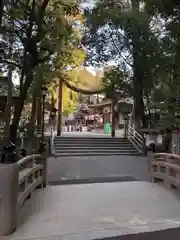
pixel 3 100
pixel 125 108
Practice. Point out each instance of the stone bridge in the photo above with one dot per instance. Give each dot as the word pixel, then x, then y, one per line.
pixel 125 208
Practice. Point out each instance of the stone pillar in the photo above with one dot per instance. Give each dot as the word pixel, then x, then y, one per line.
pixel 126 122
pixel 9 188
pixel 43 161
pixel 150 157
pixel 154 137
pixel 176 142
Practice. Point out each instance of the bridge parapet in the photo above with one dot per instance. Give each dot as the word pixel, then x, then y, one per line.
pixel 166 168
pixel 17 182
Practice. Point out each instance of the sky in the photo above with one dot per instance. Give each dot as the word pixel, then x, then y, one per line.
pixel 92 70
pixel 15 77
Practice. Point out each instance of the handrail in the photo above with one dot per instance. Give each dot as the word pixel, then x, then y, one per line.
pixel 166 167
pixel 141 137
pixel 30 159
pixel 170 158
pixel 30 176
pixel 137 140
pixel 175 148
pixel 17 182
pixel 27 186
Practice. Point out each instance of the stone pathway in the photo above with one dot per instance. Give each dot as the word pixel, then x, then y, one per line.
pixel 98 211
pixel 97 169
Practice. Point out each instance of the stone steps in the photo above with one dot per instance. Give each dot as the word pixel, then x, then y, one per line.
pixel 89 146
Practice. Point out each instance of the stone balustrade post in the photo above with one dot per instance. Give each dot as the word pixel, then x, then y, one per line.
pixel 150 155
pixel 9 188
pixel 43 161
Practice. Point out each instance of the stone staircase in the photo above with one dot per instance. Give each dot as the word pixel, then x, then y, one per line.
pixel 89 146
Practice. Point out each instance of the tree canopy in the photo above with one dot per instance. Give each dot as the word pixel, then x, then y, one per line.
pixel 34 33
pixel 141 39
pixel 50 39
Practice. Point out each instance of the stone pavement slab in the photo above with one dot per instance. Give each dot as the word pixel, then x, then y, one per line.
pixel 93 167
pixel 92 211
pixel 94 133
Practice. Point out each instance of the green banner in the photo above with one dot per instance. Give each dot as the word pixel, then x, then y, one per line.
pixel 107 127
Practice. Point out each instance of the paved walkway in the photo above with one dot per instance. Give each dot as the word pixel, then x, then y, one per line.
pixel 101 210
pixel 100 133
pixel 94 211
pixel 101 168
pixel 94 133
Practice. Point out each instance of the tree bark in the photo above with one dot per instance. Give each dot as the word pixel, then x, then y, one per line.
pixel 30 62
pixel 33 112
pixel 39 113
pixel 1 10
pixel 9 102
pixel 19 107
pixel 113 117
pixel 139 113
pixel 36 102
pixel 59 117
pixel 17 115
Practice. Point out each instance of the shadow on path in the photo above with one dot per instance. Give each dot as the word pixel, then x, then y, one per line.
pixel 93 180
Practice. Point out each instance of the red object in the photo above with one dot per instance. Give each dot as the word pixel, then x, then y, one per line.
pixel 178 131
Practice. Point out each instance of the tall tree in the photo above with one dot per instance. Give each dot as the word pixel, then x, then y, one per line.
pixel 36 31
pixel 121 33
pixel 117 86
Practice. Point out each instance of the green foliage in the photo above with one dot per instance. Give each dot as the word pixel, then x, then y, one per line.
pixel 37 32
pixel 69 101
pixel 115 80
pixel 84 79
pixel 169 121
pixel 80 77
pixel 143 39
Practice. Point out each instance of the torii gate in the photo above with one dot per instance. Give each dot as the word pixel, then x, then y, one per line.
pixel 64 81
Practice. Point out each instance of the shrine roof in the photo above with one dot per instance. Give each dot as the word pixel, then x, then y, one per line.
pixel 82 113
pixel 108 101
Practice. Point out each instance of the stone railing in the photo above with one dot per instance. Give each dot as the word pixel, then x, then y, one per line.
pixel 17 182
pixel 166 168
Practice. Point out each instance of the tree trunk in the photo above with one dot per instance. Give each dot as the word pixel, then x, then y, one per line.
pixel 8 103
pixel 19 107
pixel 39 113
pixel 33 112
pixel 36 102
pixel 113 130
pixel 59 117
pixel 139 114
pixel 139 111
pixel 1 11
pixel 17 115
